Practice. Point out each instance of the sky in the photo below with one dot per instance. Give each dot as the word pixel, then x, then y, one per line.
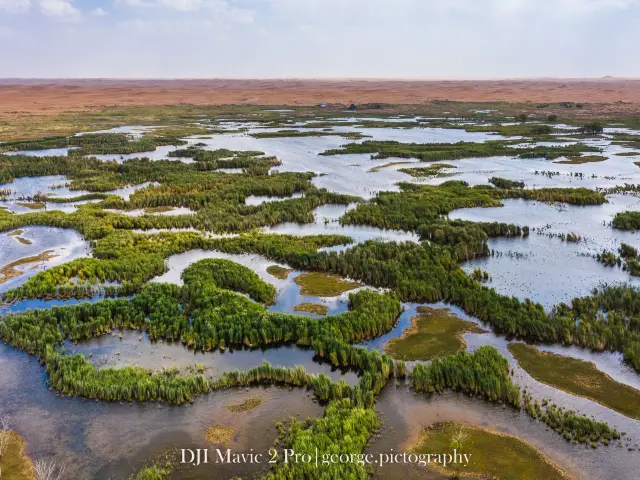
pixel 417 39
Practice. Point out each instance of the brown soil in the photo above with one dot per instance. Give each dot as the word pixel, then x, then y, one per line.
pixel 55 96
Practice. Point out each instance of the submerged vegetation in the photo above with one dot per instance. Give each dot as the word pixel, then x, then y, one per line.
pixel 577 377
pixel 583 159
pixel 315 308
pixel 516 460
pixel 220 435
pixel 322 285
pixel 279 272
pixel 248 404
pixel 433 333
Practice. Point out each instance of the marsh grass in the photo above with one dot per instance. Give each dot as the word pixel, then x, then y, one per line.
pixel 581 160
pixel 323 285
pixel 31 205
pixel 160 209
pixel 434 170
pixel 493 454
pixel 389 164
pixel 279 272
pixel 578 378
pixel 316 308
pixel 220 435
pixel 248 404
pixel 434 332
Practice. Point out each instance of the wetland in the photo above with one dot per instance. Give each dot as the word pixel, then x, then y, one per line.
pixel 311 279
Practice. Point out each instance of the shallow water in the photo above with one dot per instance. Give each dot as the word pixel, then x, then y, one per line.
pixel 135 348
pixel 288 292
pixel 46 152
pixel 539 267
pixel 608 362
pixel 404 413
pixel 260 199
pixel 547 269
pixel 141 211
pixel 326 223
pixel 99 440
pixel 347 174
pixel 54 186
pixel 66 244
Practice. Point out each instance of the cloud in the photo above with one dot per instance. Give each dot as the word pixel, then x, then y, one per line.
pixel 15 6
pixel 98 12
pixel 60 9
pixel 325 38
pixel 221 9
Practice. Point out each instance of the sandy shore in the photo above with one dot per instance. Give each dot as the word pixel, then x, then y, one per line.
pixel 54 96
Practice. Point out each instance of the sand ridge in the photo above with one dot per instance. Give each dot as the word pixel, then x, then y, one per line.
pixel 55 96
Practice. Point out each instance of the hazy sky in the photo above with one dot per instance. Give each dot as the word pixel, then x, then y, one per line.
pixel 319 38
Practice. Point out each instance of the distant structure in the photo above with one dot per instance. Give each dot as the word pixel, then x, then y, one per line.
pixel 322 105
pixel 352 106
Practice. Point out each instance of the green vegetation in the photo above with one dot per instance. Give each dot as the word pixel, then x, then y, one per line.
pixel 516 461
pixel 77 198
pixel 626 221
pixel 31 205
pixel 321 285
pixel 15 233
pixel 132 259
pixel 420 208
pixel 629 259
pixel 249 404
pixel 316 308
pixel 433 333
pixel 594 128
pixel 573 427
pixel 232 276
pixel 583 159
pixel 205 317
pixel 433 170
pixel 297 133
pixel 505 184
pixel 220 435
pixel 484 373
pixel 279 272
pixel 218 199
pixel 388 164
pixel 572 237
pixel 628 154
pixel 205 314
pixel 160 209
pixel 432 152
pixel 160 468
pixel 577 377
pixel 345 427
pixel 96 143
pixel 153 472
